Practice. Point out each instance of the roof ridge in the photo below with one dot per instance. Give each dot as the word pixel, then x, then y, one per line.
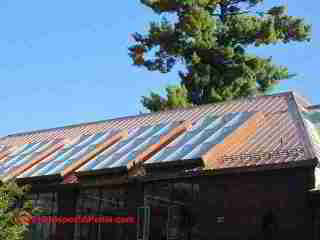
pixel 302 98
pixel 143 115
pixel 307 140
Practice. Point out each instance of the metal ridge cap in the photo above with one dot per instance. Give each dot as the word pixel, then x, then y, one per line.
pixel 302 98
pixel 307 142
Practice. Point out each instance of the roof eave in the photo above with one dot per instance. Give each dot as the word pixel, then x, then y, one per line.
pixel 234 171
pixel 35 180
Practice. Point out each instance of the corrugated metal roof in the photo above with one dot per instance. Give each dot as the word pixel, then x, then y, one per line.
pixel 224 135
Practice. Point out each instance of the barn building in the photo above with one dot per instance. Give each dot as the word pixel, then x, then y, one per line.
pixel 243 169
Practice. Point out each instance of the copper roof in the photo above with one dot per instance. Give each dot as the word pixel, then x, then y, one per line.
pixel 252 131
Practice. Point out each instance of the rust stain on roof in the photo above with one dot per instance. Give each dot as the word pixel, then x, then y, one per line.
pixel 211 158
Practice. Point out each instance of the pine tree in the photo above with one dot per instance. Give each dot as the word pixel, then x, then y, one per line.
pixel 210 38
pixel 14 211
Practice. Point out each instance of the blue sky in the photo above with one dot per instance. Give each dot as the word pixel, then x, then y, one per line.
pixel 65 62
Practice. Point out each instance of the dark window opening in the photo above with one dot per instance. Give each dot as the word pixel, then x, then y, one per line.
pixel 269 225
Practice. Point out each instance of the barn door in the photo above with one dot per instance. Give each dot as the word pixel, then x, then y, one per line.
pixel 161 222
pixel 143 223
pixel 177 223
pixel 173 223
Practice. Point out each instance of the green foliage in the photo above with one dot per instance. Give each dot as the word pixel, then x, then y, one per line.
pixel 11 196
pixel 211 37
pixel 176 97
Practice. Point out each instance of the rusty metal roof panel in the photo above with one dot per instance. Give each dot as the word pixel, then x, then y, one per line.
pixel 277 132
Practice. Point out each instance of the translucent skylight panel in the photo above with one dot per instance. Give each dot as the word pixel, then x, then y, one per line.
pixel 33 148
pixel 198 132
pixel 57 167
pixel 123 160
pixel 20 150
pixel 46 145
pixel 160 156
pixel 83 152
pixel 32 170
pixel 38 168
pixel 158 129
pixel 173 149
pixel 139 131
pixel 124 146
pixel 28 157
pixel 197 139
pixel 190 137
pixel 11 160
pixel 23 158
pixel 109 158
pixel 86 141
pixel 75 141
pixel 82 140
pixel 66 154
pixel 142 143
pixel 100 137
pixel 90 165
pixel 78 151
pixel 204 148
pixel 57 157
pixel 105 163
pixel 184 150
pixel 14 159
pixel 184 138
pixel 132 142
pixel 219 135
pixel 45 168
pixel 7 169
pixel 205 122
pixel 62 151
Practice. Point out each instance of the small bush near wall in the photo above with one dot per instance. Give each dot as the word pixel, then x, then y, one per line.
pixel 13 211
